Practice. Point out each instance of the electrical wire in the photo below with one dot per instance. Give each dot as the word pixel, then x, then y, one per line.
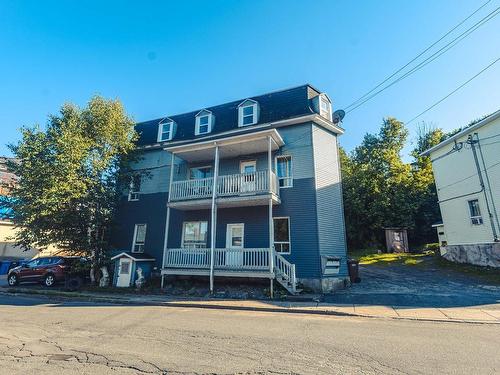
pixel 419 55
pixel 454 91
pixel 433 57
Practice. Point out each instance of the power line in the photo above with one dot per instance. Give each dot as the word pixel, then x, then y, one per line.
pixel 431 58
pixel 420 54
pixel 454 91
pixel 466 178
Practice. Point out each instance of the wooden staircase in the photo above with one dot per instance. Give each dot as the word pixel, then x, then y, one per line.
pixel 285 274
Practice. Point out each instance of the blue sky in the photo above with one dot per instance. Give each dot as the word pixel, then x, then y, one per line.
pixel 164 58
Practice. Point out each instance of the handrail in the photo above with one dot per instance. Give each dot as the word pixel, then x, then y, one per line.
pixel 240 184
pixel 247 259
pixel 286 270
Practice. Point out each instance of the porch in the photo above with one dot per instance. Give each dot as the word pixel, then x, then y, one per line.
pixel 249 188
pixel 212 185
pixel 231 262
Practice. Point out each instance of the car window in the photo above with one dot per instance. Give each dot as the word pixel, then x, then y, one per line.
pixel 33 263
pixel 44 261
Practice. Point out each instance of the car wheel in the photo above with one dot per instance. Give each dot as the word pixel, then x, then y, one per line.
pixel 49 280
pixel 13 279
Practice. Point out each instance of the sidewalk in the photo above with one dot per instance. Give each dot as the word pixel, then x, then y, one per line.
pixel 485 314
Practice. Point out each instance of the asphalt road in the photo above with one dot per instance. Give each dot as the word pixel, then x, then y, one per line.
pixel 39 337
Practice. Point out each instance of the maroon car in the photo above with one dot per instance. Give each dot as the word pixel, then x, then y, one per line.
pixel 48 270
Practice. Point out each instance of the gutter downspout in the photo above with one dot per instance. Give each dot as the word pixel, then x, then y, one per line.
pixel 472 142
pixel 495 214
pixel 167 220
pixel 213 218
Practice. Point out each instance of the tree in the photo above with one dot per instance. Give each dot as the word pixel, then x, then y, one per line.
pixel 70 180
pixel 375 185
pixel 423 187
pixel 381 190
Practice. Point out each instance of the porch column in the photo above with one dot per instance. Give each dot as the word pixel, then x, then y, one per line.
pixel 271 233
pixel 167 221
pixel 213 221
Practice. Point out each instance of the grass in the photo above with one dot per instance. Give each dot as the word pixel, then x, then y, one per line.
pixel 428 259
pixel 367 256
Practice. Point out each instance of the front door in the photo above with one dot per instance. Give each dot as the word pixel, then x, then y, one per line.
pixel 248 169
pixel 234 243
pixel 124 272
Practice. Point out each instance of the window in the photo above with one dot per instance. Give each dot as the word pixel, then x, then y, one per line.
pixel 325 107
pixel 284 170
pixel 200 172
pixel 475 212
pixel 204 122
pixel 194 234
pixel 165 131
pixel 281 227
pixel 135 188
pixel 248 113
pixel 139 238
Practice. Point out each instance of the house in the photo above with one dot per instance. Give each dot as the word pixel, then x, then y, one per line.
pixel 467 173
pixel 250 188
pixel 7 249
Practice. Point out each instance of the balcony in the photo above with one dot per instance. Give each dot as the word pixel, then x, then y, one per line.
pixel 234 190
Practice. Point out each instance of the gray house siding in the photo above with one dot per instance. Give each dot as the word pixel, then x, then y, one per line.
pixel 329 206
pixel 299 201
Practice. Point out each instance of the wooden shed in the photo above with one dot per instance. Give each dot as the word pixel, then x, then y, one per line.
pixel 396 240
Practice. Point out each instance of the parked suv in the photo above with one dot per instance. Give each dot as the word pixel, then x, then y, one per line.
pixel 48 270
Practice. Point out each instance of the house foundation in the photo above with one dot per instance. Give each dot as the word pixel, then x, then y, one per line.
pixel 487 254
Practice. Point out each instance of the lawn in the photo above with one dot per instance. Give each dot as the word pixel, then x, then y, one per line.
pixel 369 257
pixel 426 259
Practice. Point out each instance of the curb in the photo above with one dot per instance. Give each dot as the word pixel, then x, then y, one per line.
pixel 200 305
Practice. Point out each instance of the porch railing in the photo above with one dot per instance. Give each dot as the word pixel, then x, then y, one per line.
pixel 285 273
pixel 254 259
pixel 241 184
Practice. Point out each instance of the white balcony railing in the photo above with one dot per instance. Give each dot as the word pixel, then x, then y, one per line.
pixel 241 184
pixel 224 259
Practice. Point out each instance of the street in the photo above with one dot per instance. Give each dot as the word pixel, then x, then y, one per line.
pixel 40 337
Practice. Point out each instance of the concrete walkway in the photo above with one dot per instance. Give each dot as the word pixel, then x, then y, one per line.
pixel 486 314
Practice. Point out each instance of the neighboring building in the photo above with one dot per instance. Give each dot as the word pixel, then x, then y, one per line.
pixel 467 173
pixel 7 249
pixel 274 159
pixel 6 177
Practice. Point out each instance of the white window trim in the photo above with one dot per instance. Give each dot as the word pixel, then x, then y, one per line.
pixel 289 236
pixel 475 220
pixel 160 130
pixel 255 115
pixel 327 114
pixel 228 225
pixel 184 231
pixel 283 178
pixel 201 114
pixel 133 196
pixel 135 236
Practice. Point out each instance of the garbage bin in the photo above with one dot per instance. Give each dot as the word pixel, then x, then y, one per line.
pixel 353 266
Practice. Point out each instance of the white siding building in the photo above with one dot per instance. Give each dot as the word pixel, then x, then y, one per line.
pixel 467 173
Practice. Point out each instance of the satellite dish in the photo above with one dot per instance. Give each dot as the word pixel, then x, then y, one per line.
pixel 338 115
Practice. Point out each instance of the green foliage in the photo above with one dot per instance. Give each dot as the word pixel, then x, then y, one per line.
pixel 381 190
pixel 69 178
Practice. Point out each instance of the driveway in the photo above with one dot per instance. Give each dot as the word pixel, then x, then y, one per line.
pixel 417 286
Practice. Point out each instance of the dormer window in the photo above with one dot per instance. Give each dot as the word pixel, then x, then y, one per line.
pixel 204 122
pixel 325 107
pixel 248 113
pixel 166 130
